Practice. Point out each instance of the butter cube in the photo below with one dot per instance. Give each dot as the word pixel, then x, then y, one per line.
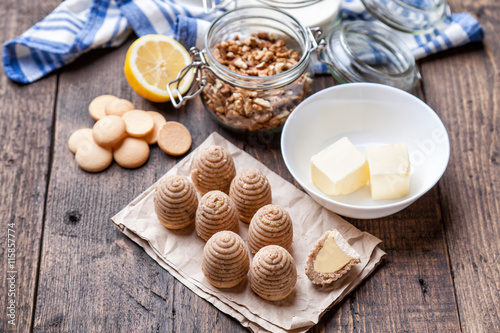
pixel 339 169
pixel 389 171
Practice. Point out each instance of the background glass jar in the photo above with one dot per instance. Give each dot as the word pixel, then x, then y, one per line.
pixel 369 51
pixel 324 14
pixel 259 101
pixel 411 16
pixel 360 51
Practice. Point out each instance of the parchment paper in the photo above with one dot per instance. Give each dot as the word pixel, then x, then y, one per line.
pixel 180 252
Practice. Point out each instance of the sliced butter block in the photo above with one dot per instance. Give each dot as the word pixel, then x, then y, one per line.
pixel 330 258
pixel 339 169
pixel 389 169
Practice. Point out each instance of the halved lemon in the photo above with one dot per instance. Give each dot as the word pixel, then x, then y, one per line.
pixel 152 62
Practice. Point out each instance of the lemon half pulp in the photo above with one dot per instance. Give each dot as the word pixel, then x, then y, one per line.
pixel 152 62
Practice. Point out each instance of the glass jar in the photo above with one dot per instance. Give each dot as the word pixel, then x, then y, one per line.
pixel 411 16
pixel 360 51
pixel 323 14
pixel 251 102
pixel 356 51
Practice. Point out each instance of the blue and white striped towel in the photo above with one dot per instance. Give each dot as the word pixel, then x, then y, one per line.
pixel 77 26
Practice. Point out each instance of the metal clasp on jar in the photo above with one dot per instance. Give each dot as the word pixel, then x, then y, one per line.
pixel 317 41
pixel 197 65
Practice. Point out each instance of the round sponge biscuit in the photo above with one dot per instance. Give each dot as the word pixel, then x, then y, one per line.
pixel 108 130
pixel 138 123
pixel 118 107
pixel 93 158
pixel 98 104
pixel 131 152
pixel 159 120
pixel 174 138
pixel 77 137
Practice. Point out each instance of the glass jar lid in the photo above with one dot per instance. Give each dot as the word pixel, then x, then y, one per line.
pixel 289 3
pixel 361 51
pixel 212 5
pixel 412 16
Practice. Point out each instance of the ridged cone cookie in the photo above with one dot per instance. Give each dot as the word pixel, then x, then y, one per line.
pixel 213 169
pixel 225 261
pixel 271 225
pixel 273 274
pixel 216 212
pixel 175 202
pixel 250 190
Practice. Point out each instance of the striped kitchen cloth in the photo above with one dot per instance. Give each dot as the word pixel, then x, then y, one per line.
pixel 78 26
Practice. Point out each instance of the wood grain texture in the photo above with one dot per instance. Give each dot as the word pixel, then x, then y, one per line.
pixel 463 86
pixel 412 290
pixel 26 117
pixel 441 273
pixel 94 278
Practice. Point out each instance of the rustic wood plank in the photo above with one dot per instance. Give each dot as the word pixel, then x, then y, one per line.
pixel 413 280
pixel 412 290
pixel 93 278
pixel 464 88
pixel 26 115
pixel 190 312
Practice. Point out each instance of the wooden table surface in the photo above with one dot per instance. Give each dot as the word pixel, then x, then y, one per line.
pixel 76 272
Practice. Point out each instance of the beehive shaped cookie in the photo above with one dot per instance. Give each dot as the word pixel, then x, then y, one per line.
pixel 216 212
pixel 250 190
pixel 175 202
pixel 330 258
pixel 225 261
pixel 212 169
pixel 271 225
pixel 273 274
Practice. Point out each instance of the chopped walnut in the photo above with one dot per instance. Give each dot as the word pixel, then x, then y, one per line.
pixel 256 55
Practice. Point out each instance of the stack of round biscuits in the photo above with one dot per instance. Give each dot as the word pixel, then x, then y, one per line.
pixel 124 134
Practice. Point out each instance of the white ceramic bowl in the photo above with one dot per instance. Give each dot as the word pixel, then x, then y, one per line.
pixel 368 114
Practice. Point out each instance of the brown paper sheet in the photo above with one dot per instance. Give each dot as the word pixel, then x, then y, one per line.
pixel 180 252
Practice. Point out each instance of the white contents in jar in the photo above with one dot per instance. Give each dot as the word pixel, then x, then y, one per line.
pixel 324 13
